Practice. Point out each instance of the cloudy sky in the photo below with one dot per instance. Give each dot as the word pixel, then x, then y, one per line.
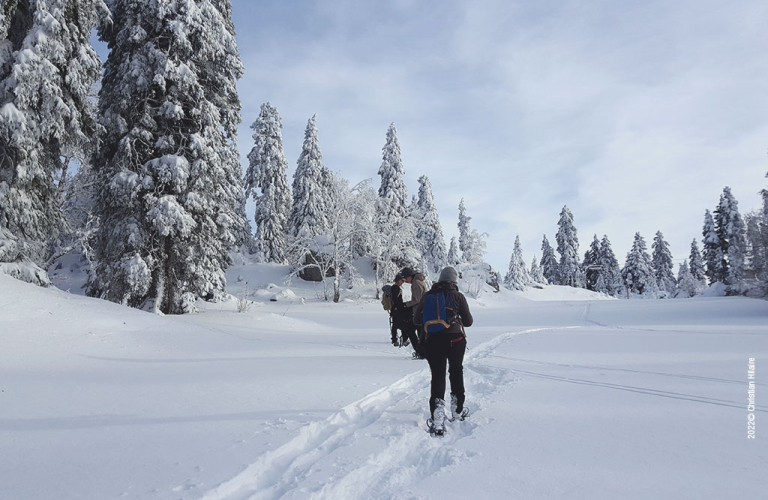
pixel 633 114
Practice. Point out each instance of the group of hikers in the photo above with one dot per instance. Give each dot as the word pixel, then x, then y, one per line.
pixel 433 322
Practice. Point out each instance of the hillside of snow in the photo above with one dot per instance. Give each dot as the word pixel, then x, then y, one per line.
pixel 299 398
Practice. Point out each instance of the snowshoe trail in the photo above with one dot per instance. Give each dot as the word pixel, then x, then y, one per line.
pixel 373 448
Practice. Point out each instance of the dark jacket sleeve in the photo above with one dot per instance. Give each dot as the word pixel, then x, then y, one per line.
pixel 466 316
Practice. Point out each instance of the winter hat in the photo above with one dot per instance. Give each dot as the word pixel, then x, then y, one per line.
pixel 407 272
pixel 398 277
pixel 449 274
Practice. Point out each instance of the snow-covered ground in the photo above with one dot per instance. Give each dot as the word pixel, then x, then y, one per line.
pixel 303 399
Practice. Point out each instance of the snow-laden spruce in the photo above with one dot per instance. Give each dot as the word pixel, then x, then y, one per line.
pixel 548 264
pixel 638 270
pixel 453 253
pixel 591 265
pixel 429 232
pixel 169 177
pixel 712 253
pixel 393 192
pixel 310 199
pixel 47 68
pixel 663 267
pixel 731 233
pixel 696 264
pixel 267 182
pixel 517 274
pixel 536 275
pixel 472 243
pixel 610 280
pixel 568 248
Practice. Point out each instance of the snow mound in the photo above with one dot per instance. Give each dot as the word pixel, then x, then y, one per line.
pixel 716 289
pixel 286 294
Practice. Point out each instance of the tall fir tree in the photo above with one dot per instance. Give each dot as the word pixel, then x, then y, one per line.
pixel 536 275
pixel 731 232
pixel 712 253
pixel 568 248
pixel 47 68
pixel 612 282
pixel 429 231
pixel 267 182
pixel 549 266
pixel 686 284
pixel 465 233
pixel 592 265
pixel 638 269
pixel 392 192
pixel 170 198
pixel 517 275
pixel 663 267
pixel 453 253
pixel 310 198
pixel 696 263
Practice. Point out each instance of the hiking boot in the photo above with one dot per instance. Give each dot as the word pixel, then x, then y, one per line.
pixel 438 418
pixel 457 413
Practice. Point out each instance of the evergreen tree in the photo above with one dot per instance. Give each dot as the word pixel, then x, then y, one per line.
pixel 517 275
pixel 712 253
pixel 612 282
pixel 266 176
pixel 47 68
pixel 662 264
pixel 453 253
pixel 310 200
pixel 687 286
pixel 549 265
pixel 592 265
pixel 393 193
pixel 638 269
pixel 696 266
pixel 429 231
pixel 465 233
pixel 536 275
pixel 568 248
pixel 170 196
pixel 730 230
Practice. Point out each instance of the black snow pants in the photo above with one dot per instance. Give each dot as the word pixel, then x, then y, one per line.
pixel 439 350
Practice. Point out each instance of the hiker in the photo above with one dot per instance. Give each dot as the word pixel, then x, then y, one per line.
pixel 418 289
pixel 443 313
pixel 402 318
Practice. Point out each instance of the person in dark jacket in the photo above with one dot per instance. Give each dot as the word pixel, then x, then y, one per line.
pixel 418 289
pixel 447 347
pixel 402 315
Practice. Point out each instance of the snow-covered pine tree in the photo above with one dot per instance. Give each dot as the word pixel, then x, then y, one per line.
pixel 170 197
pixel 536 275
pixel 687 286
pixel 549 266
pixel 393 192
pixel 517 275
pixel 663 267
pixel 612 281
pixel 568 248
pixel 696 264
pixel 592 265
pixel 47 68
pixel 310 200
pixel 429 232
pixel 731 230
pixel 754 253
pixel 638 269
pixel 465 233
pixel 267 182
pixel 453 253
pixel 712 254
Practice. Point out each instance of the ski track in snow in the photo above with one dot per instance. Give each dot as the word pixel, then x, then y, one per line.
pixel 409 453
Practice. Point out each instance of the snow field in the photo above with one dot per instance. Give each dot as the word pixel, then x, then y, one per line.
pixel 570 399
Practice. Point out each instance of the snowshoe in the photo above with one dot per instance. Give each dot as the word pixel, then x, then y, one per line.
pixel 436 424
pixel 457 415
